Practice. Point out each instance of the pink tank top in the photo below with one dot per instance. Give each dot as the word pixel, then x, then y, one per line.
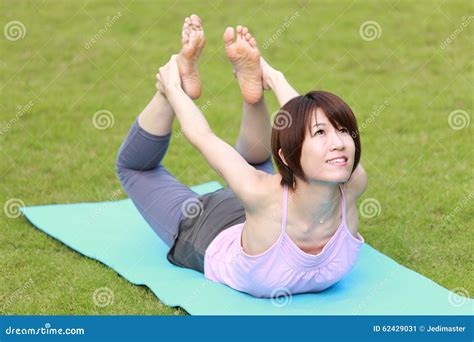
pixel 283 268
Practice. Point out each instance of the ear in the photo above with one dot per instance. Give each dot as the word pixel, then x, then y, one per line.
pixel 280 153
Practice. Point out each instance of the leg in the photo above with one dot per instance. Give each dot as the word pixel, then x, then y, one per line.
pixel 254 137
pixel 266 166
pixel 255 130
pixel 159 197
pixel 255 133
pixel 157 117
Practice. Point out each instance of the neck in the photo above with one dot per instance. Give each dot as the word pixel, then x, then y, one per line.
pixel 313 202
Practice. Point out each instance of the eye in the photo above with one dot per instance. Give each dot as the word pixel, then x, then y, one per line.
pixel 344 130
pixel 318 131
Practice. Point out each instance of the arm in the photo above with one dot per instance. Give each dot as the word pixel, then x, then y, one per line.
pixel 242 178
pixel 284 92
pixel 276 81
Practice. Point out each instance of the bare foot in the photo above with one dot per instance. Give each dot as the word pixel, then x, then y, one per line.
pixel 193 42
pixel 245 58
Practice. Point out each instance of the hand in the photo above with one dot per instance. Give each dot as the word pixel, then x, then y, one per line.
pixel 267 73
pixel 168 76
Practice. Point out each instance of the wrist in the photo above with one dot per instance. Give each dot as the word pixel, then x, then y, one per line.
pixel 173 90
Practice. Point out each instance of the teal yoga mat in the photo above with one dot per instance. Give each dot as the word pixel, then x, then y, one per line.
pixel 115 234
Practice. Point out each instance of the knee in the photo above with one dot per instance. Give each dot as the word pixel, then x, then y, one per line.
pixel 266 165
pixel 262 161
pixel 120 170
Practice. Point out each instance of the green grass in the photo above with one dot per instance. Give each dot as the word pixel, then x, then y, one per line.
pixel 420 170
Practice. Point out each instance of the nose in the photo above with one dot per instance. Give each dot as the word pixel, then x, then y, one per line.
pixel 336 142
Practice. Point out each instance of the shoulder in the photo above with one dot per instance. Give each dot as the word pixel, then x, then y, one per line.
pixel 261 192
pixel 357 184
pixel 353 190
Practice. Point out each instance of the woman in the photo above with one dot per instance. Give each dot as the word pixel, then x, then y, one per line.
pixel 267 233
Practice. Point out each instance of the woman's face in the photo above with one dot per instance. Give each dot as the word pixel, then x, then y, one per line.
pixel 323 144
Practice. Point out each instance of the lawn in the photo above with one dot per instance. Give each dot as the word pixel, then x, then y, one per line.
pixel 405 68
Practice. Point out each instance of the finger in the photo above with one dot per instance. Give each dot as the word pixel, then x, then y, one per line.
pixel 162 77
pixel 174 62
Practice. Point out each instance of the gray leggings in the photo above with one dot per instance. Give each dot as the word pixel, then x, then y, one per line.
pixel 156 193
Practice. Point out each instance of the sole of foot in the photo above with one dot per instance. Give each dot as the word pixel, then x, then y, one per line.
pixel 193 41
pixel 241 49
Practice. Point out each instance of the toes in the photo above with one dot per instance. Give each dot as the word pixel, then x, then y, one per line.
pixel 229 36
pixel 202 43
pixel 188 20
pixel 185 28
pixel 184 38
pixel 253 42
pixel 195 20
pixel 245 30
pixel 185 33
pixel 248 36
pixel 239 32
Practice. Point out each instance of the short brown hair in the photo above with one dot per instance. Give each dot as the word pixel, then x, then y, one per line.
pixel 292 120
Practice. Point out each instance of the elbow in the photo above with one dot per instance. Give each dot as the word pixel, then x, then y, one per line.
pixel 197 138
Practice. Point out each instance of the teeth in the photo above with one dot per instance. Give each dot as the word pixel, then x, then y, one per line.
pixel 339 160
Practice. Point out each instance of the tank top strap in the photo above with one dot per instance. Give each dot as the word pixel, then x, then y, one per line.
pixel 343 199
pixel 285 207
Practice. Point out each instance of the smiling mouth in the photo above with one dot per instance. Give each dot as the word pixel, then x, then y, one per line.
pixel 338 161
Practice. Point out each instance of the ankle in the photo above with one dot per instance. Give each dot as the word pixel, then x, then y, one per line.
pixel 275 78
